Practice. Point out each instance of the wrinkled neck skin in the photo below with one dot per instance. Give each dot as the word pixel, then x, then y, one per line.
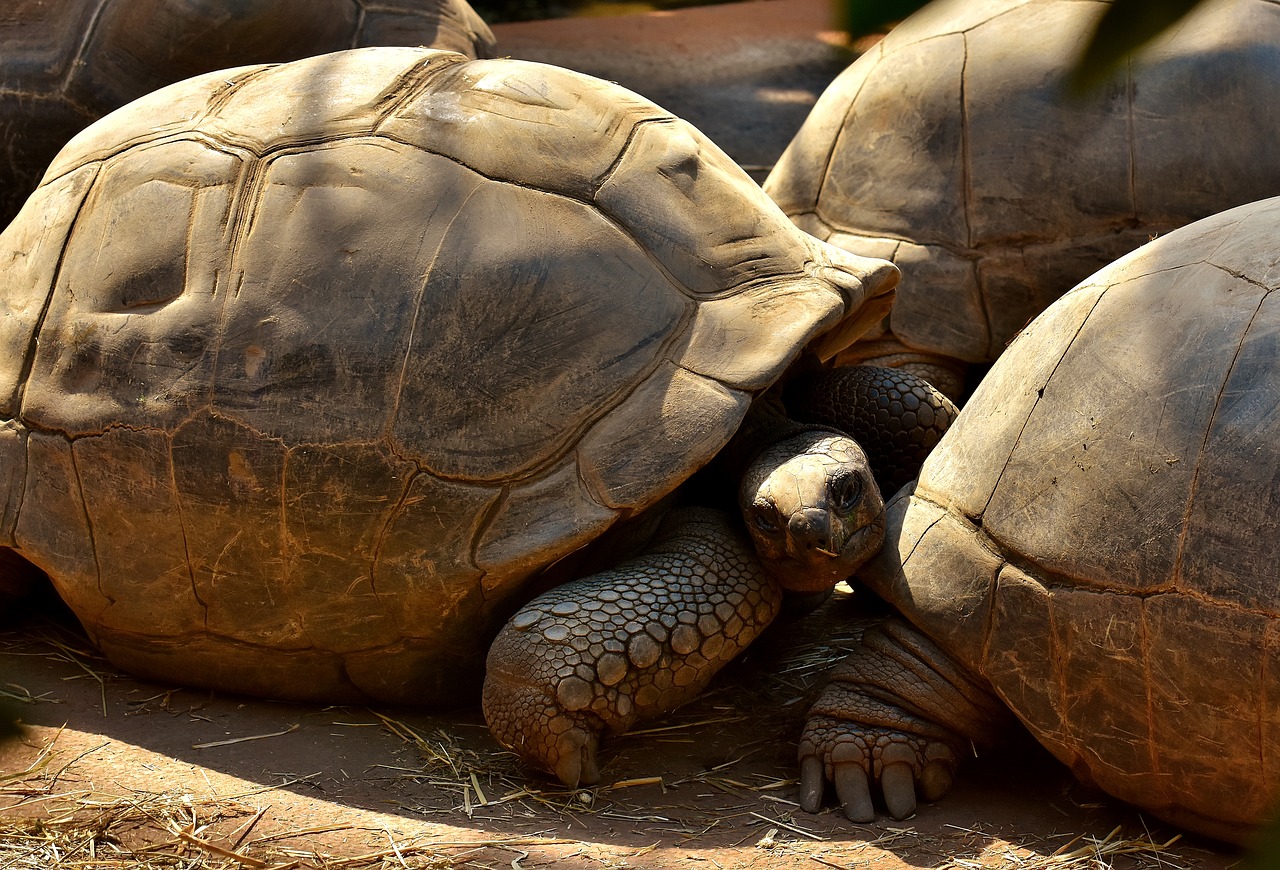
pixel 812 508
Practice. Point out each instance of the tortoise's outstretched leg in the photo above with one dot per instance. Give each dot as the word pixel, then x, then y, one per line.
pixel 896 416
pixel 601 653
pixel 898 713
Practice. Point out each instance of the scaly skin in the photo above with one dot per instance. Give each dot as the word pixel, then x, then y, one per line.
pixel 897 713
pixel 598 654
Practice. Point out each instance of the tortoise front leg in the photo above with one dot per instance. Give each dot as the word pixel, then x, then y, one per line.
pixel 899 713
pixel 599 654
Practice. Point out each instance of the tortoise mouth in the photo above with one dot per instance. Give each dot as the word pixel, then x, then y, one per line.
pixel 818 570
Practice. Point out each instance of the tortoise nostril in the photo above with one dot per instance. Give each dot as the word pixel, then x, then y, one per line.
pixel 810 531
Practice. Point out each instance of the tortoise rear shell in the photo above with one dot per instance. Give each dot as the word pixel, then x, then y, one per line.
pixel 1099 531
pixel 952 148
pixel 309 367
pixel 65 64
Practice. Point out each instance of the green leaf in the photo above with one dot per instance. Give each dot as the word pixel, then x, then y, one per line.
pixel 1125 27
pixel 874 16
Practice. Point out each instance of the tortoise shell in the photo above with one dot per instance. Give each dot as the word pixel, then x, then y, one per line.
pixel 309 368
pixel 952 148
pixel 1098 532
pixel 63 65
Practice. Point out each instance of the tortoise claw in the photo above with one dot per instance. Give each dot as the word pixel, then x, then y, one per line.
pixel 936 779
pixel 853 788
pixel 576 762
pixel 897 782
pixel 813 782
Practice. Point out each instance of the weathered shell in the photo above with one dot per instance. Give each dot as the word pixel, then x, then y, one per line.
pixel 65 64
pixel 951 148
pixel 309 367
pixel 1099 531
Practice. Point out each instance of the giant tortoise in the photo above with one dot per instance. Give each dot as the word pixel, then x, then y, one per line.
pixel 309 371
pixel 952 148
pixel 65 64
pixel 1094 544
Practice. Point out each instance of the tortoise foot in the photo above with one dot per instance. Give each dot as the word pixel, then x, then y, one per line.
pixel 598 655
pixel 894 720
pixel 853 757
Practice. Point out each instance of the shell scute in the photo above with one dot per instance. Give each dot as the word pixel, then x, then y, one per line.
pixel 33 249
pixel 126 479
pixel 567 130
pixel 132 324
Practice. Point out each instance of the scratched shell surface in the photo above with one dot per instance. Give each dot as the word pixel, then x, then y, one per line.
pixel 307 368
pixel 1098 533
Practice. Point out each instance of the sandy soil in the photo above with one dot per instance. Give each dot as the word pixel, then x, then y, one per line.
pixel 136 774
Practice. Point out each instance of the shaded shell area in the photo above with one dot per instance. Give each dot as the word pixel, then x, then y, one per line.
pixel 307 368
pixel 1099 530
pixel 952 149
pixel 63 65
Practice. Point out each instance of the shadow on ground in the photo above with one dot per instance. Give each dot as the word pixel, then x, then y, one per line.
pixel 711 786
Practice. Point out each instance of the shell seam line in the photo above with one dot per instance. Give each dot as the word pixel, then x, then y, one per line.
pixel 608 174
pixel 411 84
pixel 29 359
pixel 380 538
pixel 835 140
pixel 1208 430
pixel 483 522
pixel 412 330
pixel 1039 395
pixel 182 528
pixel 88 520
pixel 189 132
pixel 361 14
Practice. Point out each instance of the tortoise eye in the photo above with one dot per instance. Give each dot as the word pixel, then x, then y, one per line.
pixel 764 515
pixel 846 492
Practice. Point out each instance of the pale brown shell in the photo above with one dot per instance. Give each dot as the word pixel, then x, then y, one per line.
pixel 952 149
pixel 308 368
pixel 1098 534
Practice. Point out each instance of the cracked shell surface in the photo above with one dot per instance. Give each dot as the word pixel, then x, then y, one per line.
pixel 1098 532
pixel 951 148
pixel 306 369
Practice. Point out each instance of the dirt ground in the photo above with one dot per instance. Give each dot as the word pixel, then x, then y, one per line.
pixel 117 772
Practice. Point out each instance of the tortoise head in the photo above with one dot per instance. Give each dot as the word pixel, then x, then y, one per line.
pixel 813 509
